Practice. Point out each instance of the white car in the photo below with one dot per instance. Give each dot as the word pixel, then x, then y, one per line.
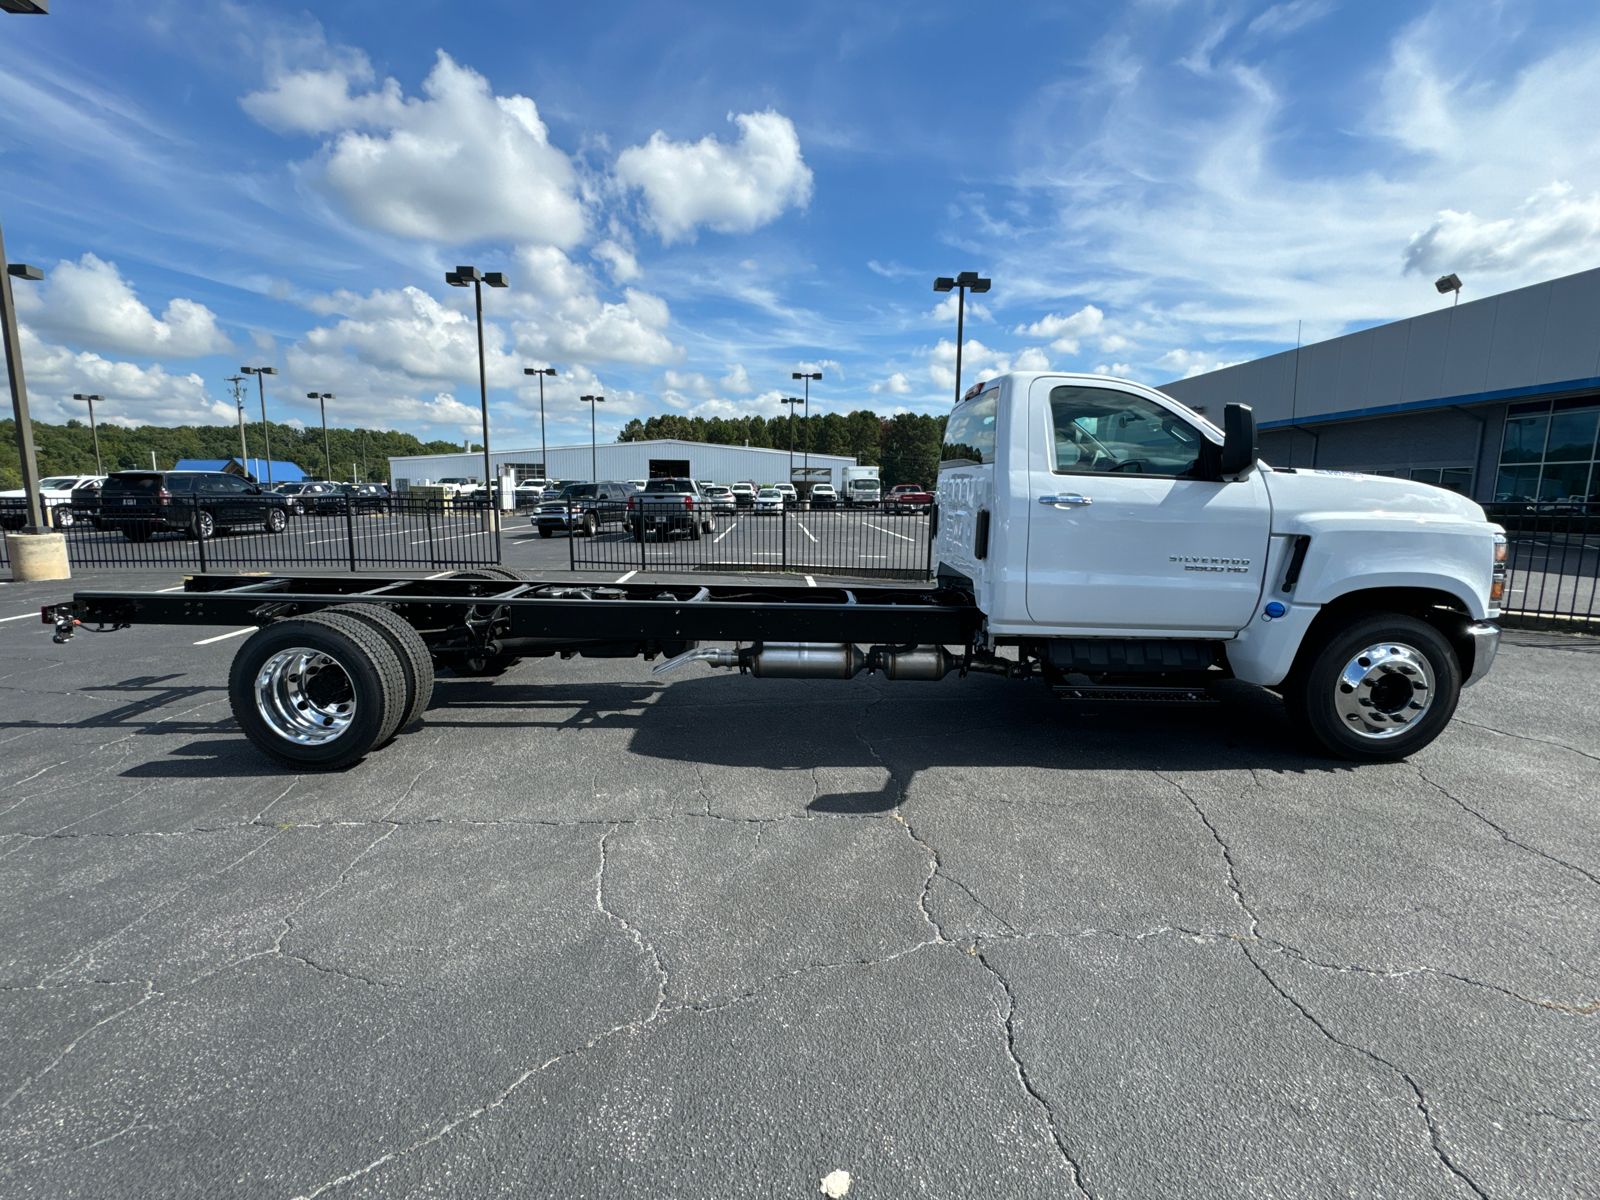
pixel 56 492
pixel 788 492
pixel 744 494
pixel 720 498
pixel 637 485
pixel 823 496
pixel 769 500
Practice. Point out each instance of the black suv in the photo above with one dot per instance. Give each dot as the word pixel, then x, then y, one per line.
pixel 582 508
pixel 199 503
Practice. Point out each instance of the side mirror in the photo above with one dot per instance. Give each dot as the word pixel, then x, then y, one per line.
pixel 1239 439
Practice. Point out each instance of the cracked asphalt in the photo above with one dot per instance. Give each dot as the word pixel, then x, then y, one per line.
pixel 587 933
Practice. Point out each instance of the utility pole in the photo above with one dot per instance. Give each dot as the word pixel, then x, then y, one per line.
pixel 19 390
pixel 544 450
pixel 237 383
pixel 94 429
pixel 806 468
pixel 962 283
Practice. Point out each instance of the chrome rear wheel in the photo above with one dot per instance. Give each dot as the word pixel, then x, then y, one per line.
pixel 305 696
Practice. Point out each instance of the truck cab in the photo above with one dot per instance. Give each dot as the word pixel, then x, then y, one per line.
pixel 1098 520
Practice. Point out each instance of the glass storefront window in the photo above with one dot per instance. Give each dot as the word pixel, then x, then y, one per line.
pixel 1572 436
pixel 1564 481
pixel 1517 483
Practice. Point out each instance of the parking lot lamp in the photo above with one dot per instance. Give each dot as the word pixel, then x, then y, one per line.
pixel 806 462
pixel 322 398
pixel 962 283
pixel 594 471
pixel 461 277
pixel 94 430
pixel 544 451
pixel 791 401
pixel 1449 283
pixel 266 434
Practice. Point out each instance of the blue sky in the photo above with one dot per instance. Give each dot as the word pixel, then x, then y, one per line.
pixel 694 200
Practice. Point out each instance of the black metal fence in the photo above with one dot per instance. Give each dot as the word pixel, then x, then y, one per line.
pixel 402 531
pixel 1552 560
pixel 864 543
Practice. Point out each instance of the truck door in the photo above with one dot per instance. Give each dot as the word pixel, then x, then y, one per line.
pixel 1122 534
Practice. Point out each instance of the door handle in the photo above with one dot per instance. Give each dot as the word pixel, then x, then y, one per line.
pixel 1071 499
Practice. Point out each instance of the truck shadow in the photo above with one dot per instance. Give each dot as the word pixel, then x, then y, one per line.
pixel 899 728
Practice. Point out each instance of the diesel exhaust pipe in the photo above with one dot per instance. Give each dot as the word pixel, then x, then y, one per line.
pixel 823 660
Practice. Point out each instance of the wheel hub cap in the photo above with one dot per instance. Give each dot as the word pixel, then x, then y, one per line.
pixel 304 696
pixel 1383 690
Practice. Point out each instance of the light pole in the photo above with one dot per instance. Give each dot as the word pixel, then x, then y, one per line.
pixel 322 398
pixel 93 429
pixel 963 283
pixel 806 468
pixel 19 390
pixel 266 434
pixel 544 452
pixel 461 277
pixel 237 383
pixel 791 401
pixel 594 470
pixel 1449 283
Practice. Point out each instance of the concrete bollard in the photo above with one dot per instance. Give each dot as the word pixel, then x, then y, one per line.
pixel 37 556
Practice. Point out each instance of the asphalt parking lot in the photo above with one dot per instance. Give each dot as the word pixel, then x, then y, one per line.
pixel 585 932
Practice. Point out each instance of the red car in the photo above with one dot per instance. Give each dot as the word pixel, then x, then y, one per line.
pixel 907 498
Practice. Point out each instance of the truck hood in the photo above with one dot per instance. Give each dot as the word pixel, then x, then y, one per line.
pixel 1299 494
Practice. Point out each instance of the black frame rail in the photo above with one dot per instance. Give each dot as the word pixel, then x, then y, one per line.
pixel 527 616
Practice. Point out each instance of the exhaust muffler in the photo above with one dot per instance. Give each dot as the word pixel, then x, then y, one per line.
pixel 824 660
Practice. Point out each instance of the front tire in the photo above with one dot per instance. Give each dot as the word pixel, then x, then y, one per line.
pixel 62 518
pixel 1374 688
pixel 277 520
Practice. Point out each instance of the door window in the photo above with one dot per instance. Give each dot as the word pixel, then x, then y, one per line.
pixel 1098 430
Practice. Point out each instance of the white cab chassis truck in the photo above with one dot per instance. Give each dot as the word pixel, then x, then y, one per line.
pixel 1093 536
pixel 862 488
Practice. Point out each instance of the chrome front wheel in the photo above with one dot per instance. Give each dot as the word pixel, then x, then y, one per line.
pixel 1383 689
pixel 305 696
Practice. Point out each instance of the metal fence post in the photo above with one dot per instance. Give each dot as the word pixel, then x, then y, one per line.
pixel 933 528
pixel 350 533
pixel 572 546
pixel 783 515
pixel 427 518
pixel 497 549
pixel 194 523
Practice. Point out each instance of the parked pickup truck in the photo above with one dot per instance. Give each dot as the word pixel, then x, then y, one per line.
pixel 583 509
pixel 907 498
pixel 668 505
pixel 1095 538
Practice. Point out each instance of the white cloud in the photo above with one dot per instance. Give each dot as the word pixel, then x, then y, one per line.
pixel 1190 362
pixel 1119 370
pixel 1283 19
pixel 978 362
pixel 1031 359
pixel 692 382
pixel 624 267
pixel 946 312
pixel 730 189
pixel 897 384
pixel 89 304
pixel 1067 332
pixel 1546 232
pixel 458 166
pixel 736 381
pixel 134 395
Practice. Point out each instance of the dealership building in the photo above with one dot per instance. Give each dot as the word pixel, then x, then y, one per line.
pixel 1496 398
pixel 624 460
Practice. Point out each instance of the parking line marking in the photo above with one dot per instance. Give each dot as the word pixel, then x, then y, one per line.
pixel 627 577
pixel 222 637
pixel 810 582
pixel 890 532
pixel 725 532
pixel 806 531
pixel 440 575
pixel 179 588
pixel 23 617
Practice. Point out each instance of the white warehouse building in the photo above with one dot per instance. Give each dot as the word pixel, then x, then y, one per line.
pixel 623 460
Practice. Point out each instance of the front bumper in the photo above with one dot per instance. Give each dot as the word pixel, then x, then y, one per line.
pixel 1485 637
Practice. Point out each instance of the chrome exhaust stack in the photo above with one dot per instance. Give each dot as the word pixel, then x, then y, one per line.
pixel 823 660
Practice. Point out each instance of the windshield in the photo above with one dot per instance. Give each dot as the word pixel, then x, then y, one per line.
pixel 670 485
pixel 770 493
pixel 146 484
pixel 58 481
pixel 577 491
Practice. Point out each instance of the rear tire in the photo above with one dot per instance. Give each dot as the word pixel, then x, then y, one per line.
pixel 590 526
pixel 1375 688
pixel 316 693
pixel 416 661
pixel 543 532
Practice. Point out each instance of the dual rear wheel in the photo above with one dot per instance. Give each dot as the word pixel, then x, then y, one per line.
pixel 318 692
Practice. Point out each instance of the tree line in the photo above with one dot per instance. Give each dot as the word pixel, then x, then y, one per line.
pixel 905 448
pixel 69 449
